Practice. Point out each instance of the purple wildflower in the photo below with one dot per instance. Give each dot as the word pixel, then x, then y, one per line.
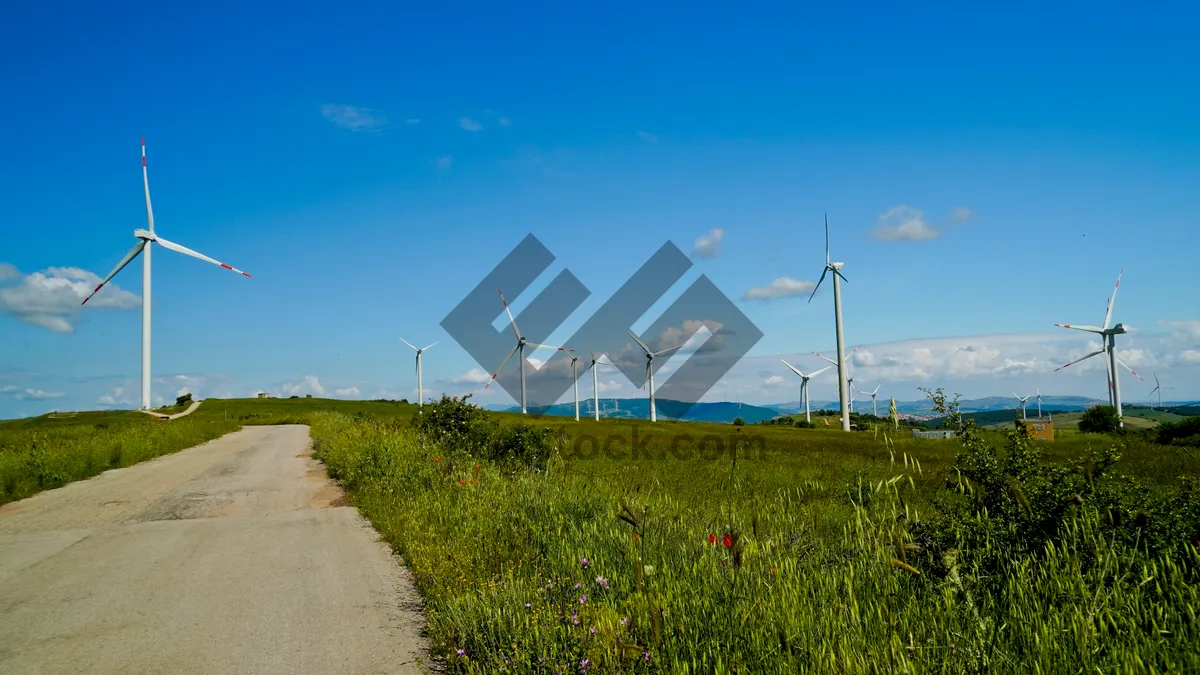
pixel 625 621
pixel 646 655
pixel 603 582
pixel 592 630
pixel 461 652
pixel 576 585
pixel 528 605
pixel 582 599
pixel 583 562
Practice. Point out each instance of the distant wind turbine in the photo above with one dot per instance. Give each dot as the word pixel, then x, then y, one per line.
pixel 874 408
pixel 804 386
pixel 1023 400
pixel 145 238
pixel 843 383
pixel 1158 388
pixel 650 371
pixel 846 379
pixel 595 384
pixel 1108 349
pixel 420 389
pixel 1039 401
pixel 522 343
pixel 574 379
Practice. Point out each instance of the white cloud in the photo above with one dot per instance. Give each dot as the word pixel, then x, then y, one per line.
pixel 1190 357
pixel 8 389
pixel 774 380
pixel 647 136
pixel 961 215
pixel 903 223
pixel 412 120
pixel 348 392
pixel 469 124
pixel 8 271
pixel 308 385
pixel 353 118
pixel 504 121
pixel 115 397
pixel 51 298
pixel 1190 328
pixel 610 386
pixel 445 162
pixel 783 287
pixel 706 246
pixel 39 395
pixel 472 376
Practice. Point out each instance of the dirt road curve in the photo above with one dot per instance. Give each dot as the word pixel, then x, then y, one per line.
pixel 236 556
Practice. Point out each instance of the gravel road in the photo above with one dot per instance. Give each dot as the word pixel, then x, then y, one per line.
pixel 236 556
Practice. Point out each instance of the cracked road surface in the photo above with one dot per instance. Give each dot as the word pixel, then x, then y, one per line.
pixel 236 556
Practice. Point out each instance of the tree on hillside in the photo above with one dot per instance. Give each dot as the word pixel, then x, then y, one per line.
pixel 1100 419
pixel 181 401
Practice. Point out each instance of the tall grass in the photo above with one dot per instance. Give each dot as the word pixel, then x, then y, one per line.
pixel 575 569
pixel 36 457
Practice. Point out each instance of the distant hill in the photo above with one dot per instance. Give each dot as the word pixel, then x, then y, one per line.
pixel 666 409
pixel 923 406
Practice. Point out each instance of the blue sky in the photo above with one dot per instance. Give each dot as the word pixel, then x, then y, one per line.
pixel 370 166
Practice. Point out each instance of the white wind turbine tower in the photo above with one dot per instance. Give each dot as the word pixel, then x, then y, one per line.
pixel 1108 349
pixel 420 389
pixel 145 237
pixel 650 371
pixel 595 386
pixel 574 379
pixel 1039 401
pixel 522 343
pixel 1023 400
pixel 804 386
pixel 1158 388
pixel 843 384
pixel 844 380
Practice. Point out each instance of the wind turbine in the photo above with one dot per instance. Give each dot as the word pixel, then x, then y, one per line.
pixel 1158 388
pixel 574 379
pixel 846 381
pixel 843 384
pixel 420 390
pixel 145 237
pixel 522 343
pixel 1023 400
pixel 1109 349
pixel 650 370
pixel 804 386
pixel 1039 401
pixel 874 408
pixel 595 385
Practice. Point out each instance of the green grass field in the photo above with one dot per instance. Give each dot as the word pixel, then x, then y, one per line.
pixel 827 567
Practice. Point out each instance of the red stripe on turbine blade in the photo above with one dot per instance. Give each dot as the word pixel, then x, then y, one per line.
pixel 225 266
pixel 246 275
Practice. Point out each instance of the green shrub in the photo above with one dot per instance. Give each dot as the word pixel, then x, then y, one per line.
pixel 457 426
pixel 521 446
pixel 1099 419
pixel 1184 432
pixel 739 422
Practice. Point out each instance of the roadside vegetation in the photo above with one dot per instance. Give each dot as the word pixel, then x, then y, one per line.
pixel 546 545
pixel 820 552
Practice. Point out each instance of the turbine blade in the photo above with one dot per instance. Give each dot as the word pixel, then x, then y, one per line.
pixel 133 253
pixel 1131 370
pixel 640 343
pixel 502 364
pixel 146 184
pixel 1112 300
pixel 1084 358
pixel 826 240
pixel 430 345
pixel 826 358
pixel 511 320
pixel 794 369
pixel 187 251
pixel 818 372
pixel 1090 329
pixel 823 273
pixel 409 344
pixel 668 349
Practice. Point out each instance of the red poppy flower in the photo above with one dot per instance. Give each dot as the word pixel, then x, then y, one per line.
pixel 712 538
pixel 437 459
pixel 462 482
pixel 635 536
pixel 727 540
